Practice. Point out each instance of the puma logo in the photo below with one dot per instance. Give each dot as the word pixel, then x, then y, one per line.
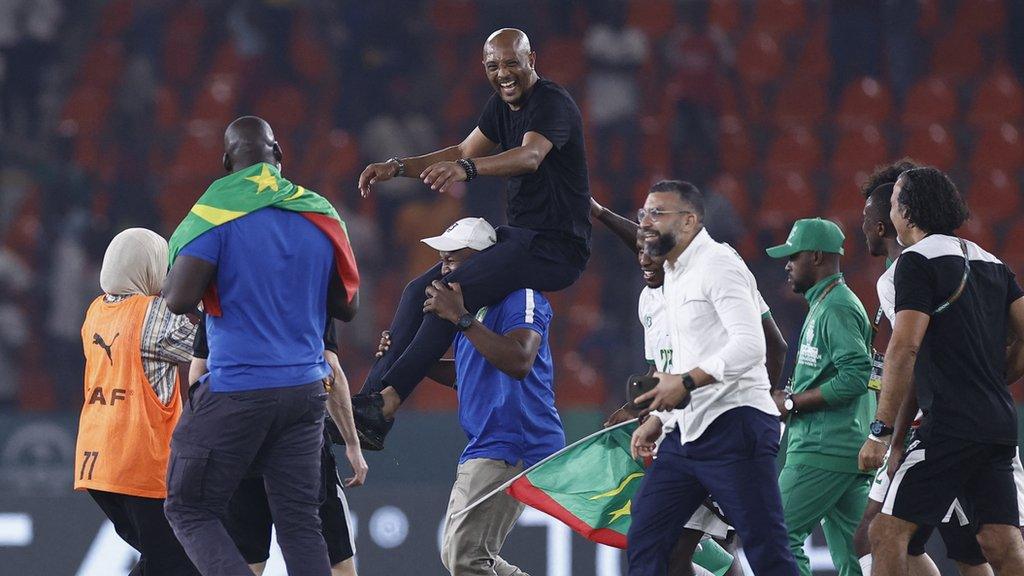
pixel 98 340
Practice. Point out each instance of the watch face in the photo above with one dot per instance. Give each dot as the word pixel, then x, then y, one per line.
pixel 788 404
pixel 876 427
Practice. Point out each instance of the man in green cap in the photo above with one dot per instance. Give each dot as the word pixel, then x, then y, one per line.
pixel 828 406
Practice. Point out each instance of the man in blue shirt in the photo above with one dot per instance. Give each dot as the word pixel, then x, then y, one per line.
pixel 503 373
pixel 262 404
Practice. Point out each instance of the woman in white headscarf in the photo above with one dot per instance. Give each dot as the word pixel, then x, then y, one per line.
pixel 132 346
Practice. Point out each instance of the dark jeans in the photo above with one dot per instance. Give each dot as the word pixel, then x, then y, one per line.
pixel 520 259
pixel 141 523
pixel 220 437
pixel 734 461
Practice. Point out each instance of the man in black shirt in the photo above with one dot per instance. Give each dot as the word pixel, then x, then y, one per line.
pixel 538 129
pixel 956 305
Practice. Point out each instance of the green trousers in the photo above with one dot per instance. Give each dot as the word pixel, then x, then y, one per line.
pixel 836 500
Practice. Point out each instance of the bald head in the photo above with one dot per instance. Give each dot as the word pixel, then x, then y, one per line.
pixel 250 140
pixel 512 39
pixel 509 63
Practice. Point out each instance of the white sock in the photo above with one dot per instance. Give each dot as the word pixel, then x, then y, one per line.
pixel 865 564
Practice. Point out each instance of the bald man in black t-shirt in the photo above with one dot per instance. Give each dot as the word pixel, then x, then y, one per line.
pixel 537 131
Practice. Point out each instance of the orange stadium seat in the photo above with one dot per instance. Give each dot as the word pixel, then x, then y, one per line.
pixel 929 101
pixel 864 101
pixel 931 145
pixel 957 56
pixel 570 65
pixel 454 17
pixel 115 18
pixel 283 106
pixel 979 17
pixel 103 64
pixel 726 15
pixel 655 17
pixel 796 149
pixel 308 53
pixel 929 16
pixel 217 99
pixel 759 60
pixel 979 232
pixel 780 16
pixel 786 198
pixel 800 101
pixel 167 109
pixel 859 149
pixel 735 145
pixel 999 98
pixel 1012 250
pixel 814 62
pixel 998 147
pixel 994 196
pixel 735 191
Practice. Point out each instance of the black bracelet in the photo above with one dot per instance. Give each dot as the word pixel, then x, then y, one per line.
pixel 469 166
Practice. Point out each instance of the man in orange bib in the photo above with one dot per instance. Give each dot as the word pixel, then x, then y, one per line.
pixel 132 345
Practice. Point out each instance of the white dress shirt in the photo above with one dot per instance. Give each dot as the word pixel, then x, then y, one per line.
pixel 714 318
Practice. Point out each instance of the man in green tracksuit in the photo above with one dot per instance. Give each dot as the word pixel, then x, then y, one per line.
pixel 829 406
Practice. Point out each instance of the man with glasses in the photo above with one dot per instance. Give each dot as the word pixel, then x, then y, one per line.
pixel 716 407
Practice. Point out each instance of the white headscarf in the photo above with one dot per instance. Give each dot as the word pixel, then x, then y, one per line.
pixel 135 263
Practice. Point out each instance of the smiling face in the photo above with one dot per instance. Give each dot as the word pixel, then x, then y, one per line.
pixel 509 65
pixel 668 223
pixel 653 267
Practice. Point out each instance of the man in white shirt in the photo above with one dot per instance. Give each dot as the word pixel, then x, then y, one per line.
pixel 721 422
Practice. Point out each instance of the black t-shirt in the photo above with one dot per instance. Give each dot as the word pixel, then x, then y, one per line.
pixel 959 373
pixel 554 200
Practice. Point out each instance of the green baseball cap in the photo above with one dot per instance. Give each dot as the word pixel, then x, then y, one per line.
pixel 810 234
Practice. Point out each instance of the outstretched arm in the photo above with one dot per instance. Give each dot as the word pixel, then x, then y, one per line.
pixel 524 159
pixel 476 144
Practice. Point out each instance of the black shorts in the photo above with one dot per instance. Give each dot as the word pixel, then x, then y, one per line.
pixel 249 520
pixel 938 471
pixel 960 539
pixel 142 524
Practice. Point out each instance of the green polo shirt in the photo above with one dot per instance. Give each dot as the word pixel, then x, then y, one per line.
pixel 834 355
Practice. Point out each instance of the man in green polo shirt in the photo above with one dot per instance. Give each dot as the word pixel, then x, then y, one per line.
pixel 828 406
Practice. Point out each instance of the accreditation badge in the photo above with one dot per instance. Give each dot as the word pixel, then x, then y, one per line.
pixel 877 361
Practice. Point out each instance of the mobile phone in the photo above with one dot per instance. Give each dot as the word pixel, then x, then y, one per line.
pixel 637 385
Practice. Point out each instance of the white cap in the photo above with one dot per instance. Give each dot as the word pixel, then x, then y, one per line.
pixel 475 233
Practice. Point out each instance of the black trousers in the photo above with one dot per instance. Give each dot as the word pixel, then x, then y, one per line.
pixel 520 259
pixel 277 432
pixel 142 524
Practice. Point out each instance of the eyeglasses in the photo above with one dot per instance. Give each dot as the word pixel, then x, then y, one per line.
pixel 655 213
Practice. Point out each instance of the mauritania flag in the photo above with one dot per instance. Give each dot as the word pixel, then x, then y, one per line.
pixel 256 187
pixel 589 485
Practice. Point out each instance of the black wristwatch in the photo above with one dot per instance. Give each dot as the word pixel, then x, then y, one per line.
pixel 881 429
pixel 688 382
pixel 465 321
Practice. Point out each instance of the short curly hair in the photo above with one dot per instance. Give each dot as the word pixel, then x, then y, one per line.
pixel 930 201
pixel 887 174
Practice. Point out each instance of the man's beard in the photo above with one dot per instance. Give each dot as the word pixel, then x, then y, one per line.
pixel 662 245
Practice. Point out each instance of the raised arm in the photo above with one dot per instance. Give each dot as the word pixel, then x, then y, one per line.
pixel 623 228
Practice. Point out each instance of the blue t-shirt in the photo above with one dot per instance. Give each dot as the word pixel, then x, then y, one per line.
pixel 504 418
pixel 273 267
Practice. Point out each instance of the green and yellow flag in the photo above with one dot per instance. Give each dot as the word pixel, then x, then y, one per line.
pixel 256 187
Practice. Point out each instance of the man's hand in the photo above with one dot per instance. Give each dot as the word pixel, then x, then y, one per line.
pixel 642 444
pixel 359 467
pixel 442 175
pixel 445 300
pixel 668 394
pixel 384 345
pixel 779 396
pixel 376 172
pixel 872 455
pixel 621 415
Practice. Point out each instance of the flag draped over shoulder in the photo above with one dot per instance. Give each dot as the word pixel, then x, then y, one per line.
pixel 256 187
pixel 588 485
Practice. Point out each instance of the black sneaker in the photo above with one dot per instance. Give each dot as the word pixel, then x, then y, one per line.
pixel 371 425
